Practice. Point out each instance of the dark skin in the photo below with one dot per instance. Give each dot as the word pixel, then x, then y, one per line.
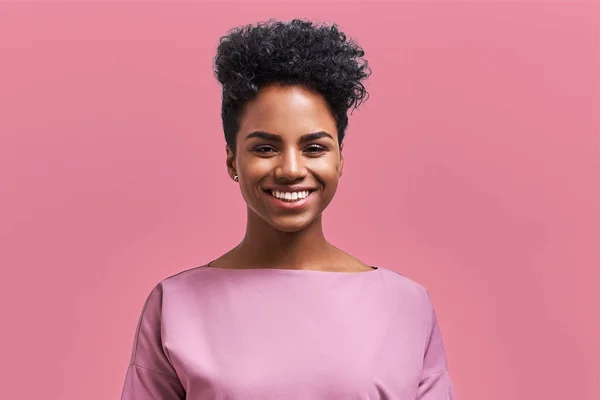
pixel 287 137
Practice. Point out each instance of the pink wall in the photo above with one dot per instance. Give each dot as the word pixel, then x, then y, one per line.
pixel 473 169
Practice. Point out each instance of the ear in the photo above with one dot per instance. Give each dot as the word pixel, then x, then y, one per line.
pixel 230 162
pixel 341 167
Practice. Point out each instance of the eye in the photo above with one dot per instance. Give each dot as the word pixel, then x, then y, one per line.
pixel 264 149
pixel 315 148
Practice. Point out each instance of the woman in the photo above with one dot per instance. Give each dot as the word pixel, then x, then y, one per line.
pixel 285 314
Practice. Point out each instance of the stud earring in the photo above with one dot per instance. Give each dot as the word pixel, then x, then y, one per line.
pixel 236 178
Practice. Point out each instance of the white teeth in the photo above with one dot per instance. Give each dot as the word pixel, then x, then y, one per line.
pixel 290 196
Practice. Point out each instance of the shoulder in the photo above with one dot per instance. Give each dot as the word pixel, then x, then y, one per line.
pixel 187 281
pixel 184 277
pixel 406 289
pixel 402 281
pixel 413 298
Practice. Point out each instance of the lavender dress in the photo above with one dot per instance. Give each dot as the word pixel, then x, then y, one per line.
pixel 249 334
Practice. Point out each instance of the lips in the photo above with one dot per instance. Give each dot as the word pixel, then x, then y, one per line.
pixel 292 202
pixel 289 196
pixel 290 188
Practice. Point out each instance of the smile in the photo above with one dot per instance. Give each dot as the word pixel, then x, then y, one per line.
pixel 290 201
pixel 289 197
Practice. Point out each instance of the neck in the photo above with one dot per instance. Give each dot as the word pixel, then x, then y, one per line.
pixel 266 247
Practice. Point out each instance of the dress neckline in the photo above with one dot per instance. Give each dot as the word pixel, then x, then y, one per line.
pixel 295 271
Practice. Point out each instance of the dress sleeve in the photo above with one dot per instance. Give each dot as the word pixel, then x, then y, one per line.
pixel 435 383
pixel 150 374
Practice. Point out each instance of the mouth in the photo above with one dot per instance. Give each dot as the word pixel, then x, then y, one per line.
pixel 290 200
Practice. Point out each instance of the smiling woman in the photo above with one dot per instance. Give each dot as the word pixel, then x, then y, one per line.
pixel 284 149
pixel 285 314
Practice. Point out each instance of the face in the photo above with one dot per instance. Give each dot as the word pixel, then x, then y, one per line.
pixel 288 157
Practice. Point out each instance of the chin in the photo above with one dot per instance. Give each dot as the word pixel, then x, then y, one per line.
pixel 290 226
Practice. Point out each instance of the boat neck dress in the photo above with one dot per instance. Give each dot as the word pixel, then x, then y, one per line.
pixel 212 333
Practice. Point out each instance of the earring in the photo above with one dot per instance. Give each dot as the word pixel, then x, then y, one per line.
pixel 236 178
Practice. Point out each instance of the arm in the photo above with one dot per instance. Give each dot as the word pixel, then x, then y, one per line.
pixel 435 383
pixel 150 374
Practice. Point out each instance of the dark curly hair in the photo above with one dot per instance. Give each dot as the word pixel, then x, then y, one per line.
pixel 318 57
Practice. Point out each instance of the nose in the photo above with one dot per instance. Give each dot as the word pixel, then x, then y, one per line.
pixel 290 166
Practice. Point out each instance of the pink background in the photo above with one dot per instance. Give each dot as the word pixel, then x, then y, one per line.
pixel 473 169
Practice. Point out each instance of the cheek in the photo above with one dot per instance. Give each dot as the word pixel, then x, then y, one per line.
pixel 251 174
pixel 251 169
pixel 327 169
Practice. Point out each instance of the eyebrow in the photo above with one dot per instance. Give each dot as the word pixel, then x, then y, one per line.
pixel 277 138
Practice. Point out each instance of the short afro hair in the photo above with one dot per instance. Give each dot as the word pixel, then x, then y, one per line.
pixel 299 52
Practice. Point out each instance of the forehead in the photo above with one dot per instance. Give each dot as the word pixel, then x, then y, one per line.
pixel 287 110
